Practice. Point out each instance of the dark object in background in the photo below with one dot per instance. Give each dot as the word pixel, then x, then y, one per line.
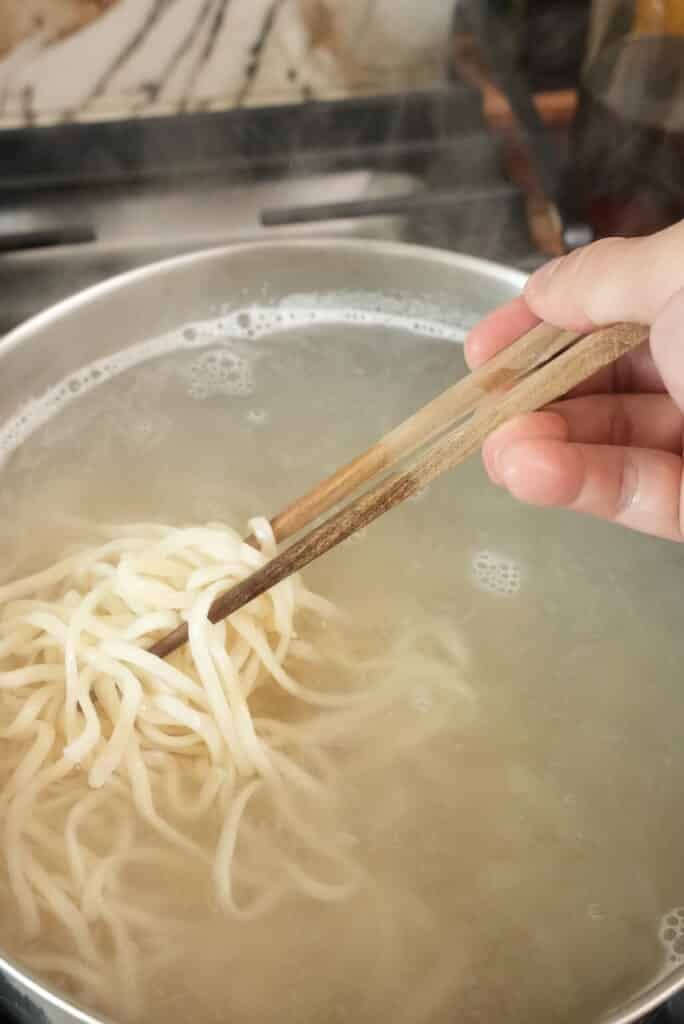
pixel 554 42
pixel 495 45
pixel 546 38
pixel 45 237
pixel 627 175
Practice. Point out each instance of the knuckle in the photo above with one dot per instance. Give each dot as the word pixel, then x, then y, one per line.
pixel 586 285
pixel 598 279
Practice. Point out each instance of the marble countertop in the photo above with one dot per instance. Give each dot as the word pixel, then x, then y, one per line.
pixel 94 60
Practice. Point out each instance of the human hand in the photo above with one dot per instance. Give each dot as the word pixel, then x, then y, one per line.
pixel 613 447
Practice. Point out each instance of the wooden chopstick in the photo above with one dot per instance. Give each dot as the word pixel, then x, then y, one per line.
pixel 542 342
pixel 537 369
pixel 507 366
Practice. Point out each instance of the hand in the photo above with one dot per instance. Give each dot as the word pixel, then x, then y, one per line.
pixel 613 447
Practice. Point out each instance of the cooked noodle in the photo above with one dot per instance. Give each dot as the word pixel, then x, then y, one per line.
pixel 218 767
pixel 113 759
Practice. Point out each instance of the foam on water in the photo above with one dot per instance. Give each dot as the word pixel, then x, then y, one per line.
pixel 671 935
pixel 496 573
pixel 221 371
pixel 225 368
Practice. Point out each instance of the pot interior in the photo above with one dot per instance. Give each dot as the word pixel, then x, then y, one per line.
pixel 515 809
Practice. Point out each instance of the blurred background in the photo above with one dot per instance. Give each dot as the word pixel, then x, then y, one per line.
pixel 131 130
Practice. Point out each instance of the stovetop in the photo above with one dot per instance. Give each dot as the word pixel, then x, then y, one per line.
pixel 80 203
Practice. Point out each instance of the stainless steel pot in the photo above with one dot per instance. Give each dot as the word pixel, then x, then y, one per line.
pixel 449 289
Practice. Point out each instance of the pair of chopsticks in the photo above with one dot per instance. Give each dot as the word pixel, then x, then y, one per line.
pixel 537 369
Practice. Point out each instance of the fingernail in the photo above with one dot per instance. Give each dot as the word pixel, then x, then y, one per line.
pixel 493 452
pixel 629 491
pixel 489 457
pixel 506 465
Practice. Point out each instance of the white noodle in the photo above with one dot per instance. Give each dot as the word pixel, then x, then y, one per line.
pixel 121 771
pixel 116 742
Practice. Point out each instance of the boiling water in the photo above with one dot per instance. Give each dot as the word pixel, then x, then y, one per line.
pixel 524 856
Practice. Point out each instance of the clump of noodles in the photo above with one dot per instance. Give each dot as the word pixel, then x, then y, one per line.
pixel 117 767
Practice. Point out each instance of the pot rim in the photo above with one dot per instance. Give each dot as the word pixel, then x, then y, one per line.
pixel 402 250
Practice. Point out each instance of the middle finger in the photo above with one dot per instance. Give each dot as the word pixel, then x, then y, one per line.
pixel 644 421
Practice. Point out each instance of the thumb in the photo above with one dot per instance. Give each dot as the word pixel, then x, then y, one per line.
pixel 611 280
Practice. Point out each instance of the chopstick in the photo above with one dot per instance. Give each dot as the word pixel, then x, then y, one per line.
pixel 537 369
pixel 542 342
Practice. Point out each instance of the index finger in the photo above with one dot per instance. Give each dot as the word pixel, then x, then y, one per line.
pixel 634 372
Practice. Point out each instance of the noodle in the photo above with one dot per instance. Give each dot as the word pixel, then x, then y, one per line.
pixel 136 753
pixel 219 766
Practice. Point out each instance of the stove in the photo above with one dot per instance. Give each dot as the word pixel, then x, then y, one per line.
pixel 80 203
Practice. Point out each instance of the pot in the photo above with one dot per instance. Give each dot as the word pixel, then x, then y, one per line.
pixel 447 291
